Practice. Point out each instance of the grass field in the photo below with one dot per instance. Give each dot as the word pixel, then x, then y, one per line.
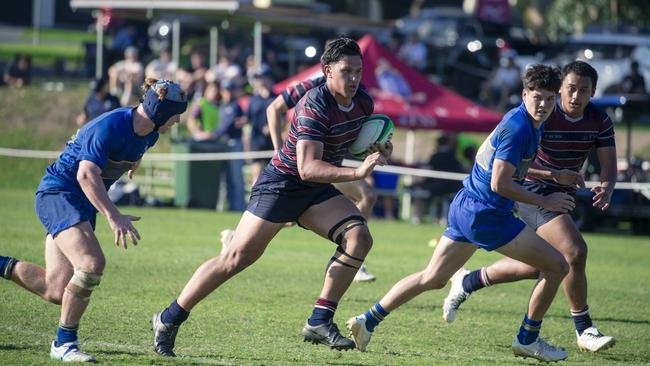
pixel 256 318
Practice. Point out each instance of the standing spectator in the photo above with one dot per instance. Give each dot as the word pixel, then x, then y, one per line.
pixel 231 121
pixel 634 83
pixel 262 97
pixel 162 67
pixel 414 52
pixel 125 76
pixel 204 119
pixel 19 72
pixel 98 102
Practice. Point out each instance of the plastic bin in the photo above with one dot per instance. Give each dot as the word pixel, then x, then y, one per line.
pixel 197 182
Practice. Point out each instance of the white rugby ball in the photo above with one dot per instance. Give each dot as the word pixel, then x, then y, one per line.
pixel 376 128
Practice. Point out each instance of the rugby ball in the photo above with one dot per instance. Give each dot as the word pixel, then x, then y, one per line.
pixel 376 128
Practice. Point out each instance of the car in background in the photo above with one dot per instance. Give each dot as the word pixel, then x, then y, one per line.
pixel 609 52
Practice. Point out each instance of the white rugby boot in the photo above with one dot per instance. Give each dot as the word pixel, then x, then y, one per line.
pixel 456 296
pixel 363 275
pixel 591 340
pixel 360 334
pixel 69 352
pixel 539 350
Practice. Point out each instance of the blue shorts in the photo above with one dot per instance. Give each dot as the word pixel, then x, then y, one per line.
pixel 60 210
pixel 474 221
pixel 284 198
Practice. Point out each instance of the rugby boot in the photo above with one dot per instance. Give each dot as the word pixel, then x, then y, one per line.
pixel 164 336
pixel 69 352
pixel 592 340
pixel 360 334
pixel 456 296
pixel 327 334
pixel 539 350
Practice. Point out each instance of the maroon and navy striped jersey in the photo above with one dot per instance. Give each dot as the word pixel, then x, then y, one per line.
pixel 566 142
pixel 293 93
pixel 318 117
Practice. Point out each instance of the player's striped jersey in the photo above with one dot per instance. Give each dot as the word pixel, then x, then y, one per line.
pixel 566 142
pixel 318 117
pixel 292 94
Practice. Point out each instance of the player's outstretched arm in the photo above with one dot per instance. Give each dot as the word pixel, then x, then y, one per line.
pixel 607 160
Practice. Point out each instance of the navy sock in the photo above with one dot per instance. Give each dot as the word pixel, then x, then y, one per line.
pixel 581 319
pixel 529 330
pixel 7 266
pixel 323 312
pixel 374 316
pixel 475 280
pixel 65 335
pixel 174 314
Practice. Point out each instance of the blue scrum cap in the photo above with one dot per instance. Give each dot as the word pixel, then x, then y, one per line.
pixel 163 100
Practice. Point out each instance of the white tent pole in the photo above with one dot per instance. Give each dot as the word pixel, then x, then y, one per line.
pixel 258 44
pixel 99 46
pixel 176 41
pixel 214 45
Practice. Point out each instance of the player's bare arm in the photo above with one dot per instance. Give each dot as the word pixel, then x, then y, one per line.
pixel 607 159
pixel 275 120
pixel 90 180
pixel 503 184
pixel 312 169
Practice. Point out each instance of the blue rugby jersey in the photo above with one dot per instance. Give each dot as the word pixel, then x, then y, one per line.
pixel 566 142
pixel 108 141
pixel 318 117
pixel 515 140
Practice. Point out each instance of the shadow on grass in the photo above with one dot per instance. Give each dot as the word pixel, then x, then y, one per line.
pixel 15 347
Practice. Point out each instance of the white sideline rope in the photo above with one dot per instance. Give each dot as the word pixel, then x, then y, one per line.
pixel 426 173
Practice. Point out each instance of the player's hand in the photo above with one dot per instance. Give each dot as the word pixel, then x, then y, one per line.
pixel 386 149
pixel 369 163
pixel 559 202
pixel 124 229
pixel 133 169
pixel 568 177
pixel 603 197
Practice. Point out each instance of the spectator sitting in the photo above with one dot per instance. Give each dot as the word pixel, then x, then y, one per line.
pixel 19 72
pixel 634 83
pixel 194 79
pixel 162 67
pixel 204 118
pixel 98 102
pixel 414 52
pixel 125 77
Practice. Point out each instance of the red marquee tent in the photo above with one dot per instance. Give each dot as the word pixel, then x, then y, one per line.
pixel 408 97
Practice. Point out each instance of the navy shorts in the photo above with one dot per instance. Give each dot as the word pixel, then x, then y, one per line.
pixel 535 216
pixel 61 210
pixel 284 198
pixel 474 221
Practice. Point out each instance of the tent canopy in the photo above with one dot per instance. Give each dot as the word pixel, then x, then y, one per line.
pixel 408 97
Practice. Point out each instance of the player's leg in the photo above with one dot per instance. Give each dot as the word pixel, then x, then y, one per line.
pixel 529 248
pixel 249 241
pixel 448 256
pixel 81 248
pixel 48 282
pixel 562 233
pixel 361 193
pixel 364 197
pixel 339 220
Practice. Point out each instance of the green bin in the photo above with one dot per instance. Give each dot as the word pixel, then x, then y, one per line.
pixel 197 182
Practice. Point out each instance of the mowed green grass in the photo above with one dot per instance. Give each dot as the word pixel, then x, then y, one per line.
pixel 255 319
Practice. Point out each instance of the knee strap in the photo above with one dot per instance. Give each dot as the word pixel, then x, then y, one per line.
pixel 83 282
pixel 337 232
pixel 338 258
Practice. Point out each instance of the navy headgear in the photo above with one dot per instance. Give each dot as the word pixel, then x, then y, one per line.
pixel 163 100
